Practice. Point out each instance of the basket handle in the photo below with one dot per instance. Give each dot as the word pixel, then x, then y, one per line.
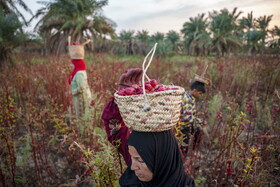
pixel 69 41
pixel 86 42
pixel 152 51
pixel 205 69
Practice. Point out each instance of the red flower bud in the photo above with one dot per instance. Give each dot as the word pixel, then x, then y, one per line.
pixel 153 83
pixel 229 171
pixel 13 109
pixel 121 92
pixel 148 86
pixel 75 43
pixel 129 91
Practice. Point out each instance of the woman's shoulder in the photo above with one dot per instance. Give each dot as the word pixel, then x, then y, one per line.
pixel 81 74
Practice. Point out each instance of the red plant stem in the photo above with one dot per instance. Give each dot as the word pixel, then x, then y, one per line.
pixel 91 140
pixel 39 152
pixel 216 129
pixel 33 145
pixel 217 158
pixel 44 149
pixel 10 141
pixel 91 132
pixel 267 88
pixel 223 150
pixel 12 160
pixel 2 177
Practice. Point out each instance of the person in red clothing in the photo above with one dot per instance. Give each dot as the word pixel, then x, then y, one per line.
pixel 117 132
pixel 81 94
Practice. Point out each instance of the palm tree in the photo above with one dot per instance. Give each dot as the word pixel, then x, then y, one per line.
pixel 163 47
pixel 11 35
pixel 274 43
pixel 262 24
pixel 157 37
pixel 247 24
pixel 79 19
pixel 223 26
pixel 143 36
pixel 174 38
pixel 9 6
pixel 254 37
pixel 253 34
pixel 127 39
pixel 143 41
pixel 196 37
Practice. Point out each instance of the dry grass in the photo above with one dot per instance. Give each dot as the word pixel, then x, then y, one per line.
pixel 37 131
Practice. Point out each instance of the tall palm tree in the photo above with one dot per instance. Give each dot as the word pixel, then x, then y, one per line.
pixel 163 48
pixel 196 37
pixel 254 37
pixel 143 38
pixel 174 38
pixel 157 37
pixel 262 24
pixel 247 24
pixel 223 26
pixel 11 35
pixel 253 33
pixel 274 43
pixel 10 6
pixel 127 39
pixel 79 19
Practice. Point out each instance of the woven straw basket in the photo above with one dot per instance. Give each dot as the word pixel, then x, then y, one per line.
pixel 164 107
pixel 163 115
pixel 76 51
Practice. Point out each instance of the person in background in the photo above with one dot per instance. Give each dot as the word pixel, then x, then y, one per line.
pixel 81 95
pixel 189 123
pixel 117 132
pixel 156 161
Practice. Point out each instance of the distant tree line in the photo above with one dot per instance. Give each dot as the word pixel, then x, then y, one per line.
pixel 222 33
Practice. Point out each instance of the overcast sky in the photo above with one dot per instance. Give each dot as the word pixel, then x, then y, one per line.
pixel 166 15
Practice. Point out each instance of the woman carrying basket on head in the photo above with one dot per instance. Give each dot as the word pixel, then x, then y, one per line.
pixel 155 156
pixel 117 132
pixel 81 94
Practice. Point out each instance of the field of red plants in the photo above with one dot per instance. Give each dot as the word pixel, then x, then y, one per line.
pixel 43 144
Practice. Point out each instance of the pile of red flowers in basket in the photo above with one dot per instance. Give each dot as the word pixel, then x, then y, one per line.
pixel 150 87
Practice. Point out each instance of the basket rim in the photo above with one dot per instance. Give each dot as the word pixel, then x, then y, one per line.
pixel 76 46
pixel 181 89
pixel 156 125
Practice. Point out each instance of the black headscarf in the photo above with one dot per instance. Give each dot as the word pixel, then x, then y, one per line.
pixel 159 150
